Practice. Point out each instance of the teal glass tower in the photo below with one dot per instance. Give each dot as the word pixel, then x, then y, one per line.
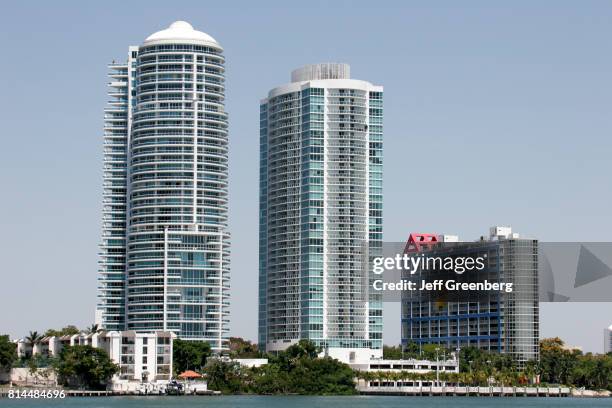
pixel 321 213
pixel 165 245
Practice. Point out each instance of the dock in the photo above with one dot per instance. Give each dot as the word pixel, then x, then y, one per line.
pixel 464 391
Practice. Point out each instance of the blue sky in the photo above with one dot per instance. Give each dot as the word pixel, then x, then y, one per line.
pixel 495 113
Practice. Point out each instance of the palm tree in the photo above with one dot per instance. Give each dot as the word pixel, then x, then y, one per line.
pixel 367 376
pixel 385 375
pixel 33 338
pixel 600 375
pixel 429 376
pixel 396 376
pixel 480 377
pixel 473 378
pixel 452 378
pixel 94 328
pixel 530 370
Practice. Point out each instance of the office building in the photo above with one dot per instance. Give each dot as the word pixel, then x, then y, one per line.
pixel 165 246
pixel 608 340
pixel 321 213
pixel 505 322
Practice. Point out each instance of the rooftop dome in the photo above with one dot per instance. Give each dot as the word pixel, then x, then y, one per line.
pixel 181 31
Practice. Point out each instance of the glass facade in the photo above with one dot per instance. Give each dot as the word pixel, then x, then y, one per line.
pixel 320 214
pixel 504 322
pixel 176 246
pixel 117 127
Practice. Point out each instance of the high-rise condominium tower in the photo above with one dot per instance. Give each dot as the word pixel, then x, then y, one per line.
pixel 165 249
pixel 608 340
pixel 504 322
pixel 321 213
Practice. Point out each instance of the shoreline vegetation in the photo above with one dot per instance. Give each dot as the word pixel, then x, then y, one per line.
pixel 299 371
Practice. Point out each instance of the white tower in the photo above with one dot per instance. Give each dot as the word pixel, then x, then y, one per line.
pixel 321 212
pixel 608 340
pixel 171 255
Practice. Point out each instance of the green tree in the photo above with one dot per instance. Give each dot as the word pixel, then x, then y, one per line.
pixel 8 353
pixel 530 370
pixel 33 338
pixel 289 358
pixel 556 361
pixel 269 379
pixel 470 358
pixel 392 352
pixel 69 330
pixel 224 376
pixel 303 348
pixel 412 350
pixel 592 371
pixel 84 366
pixel 94 328
pixel 189 355
pixel 240 348
pixel 32 368
pixel 321 376
pixel 430 351
pixel 297 370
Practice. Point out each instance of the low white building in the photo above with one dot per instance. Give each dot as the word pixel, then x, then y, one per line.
pixel 23 348
pixel 250 362
pixel 142 357
pixel 352 356
pixel 409 366
pixel 52 345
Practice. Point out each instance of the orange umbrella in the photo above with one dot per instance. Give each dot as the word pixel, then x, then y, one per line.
pixel 189 374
